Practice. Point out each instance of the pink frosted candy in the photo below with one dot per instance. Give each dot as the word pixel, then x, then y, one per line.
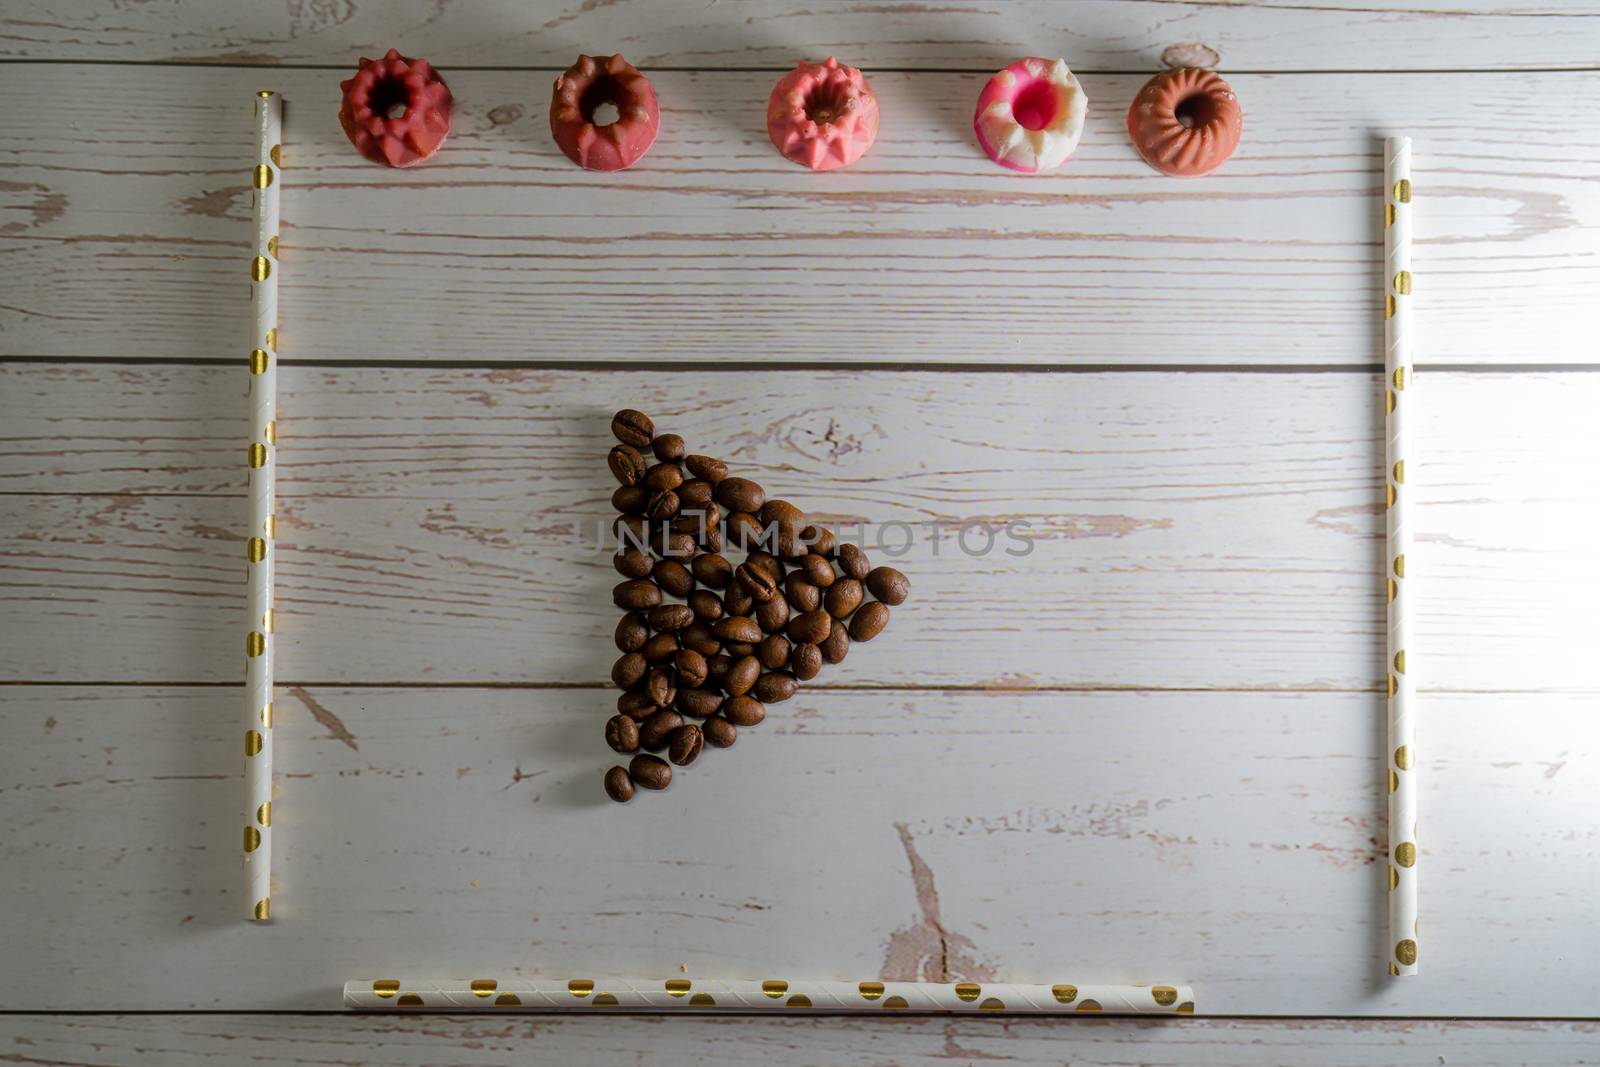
pixel 822 115
pixel 1030 115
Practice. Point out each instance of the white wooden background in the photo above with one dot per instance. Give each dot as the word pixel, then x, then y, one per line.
pixel 1150 751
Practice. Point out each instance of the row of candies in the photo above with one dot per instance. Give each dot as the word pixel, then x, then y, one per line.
pixel 604 115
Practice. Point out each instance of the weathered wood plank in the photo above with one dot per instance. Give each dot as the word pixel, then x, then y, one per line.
pixel 1101 34
pixel 136 1040
pixel 716 249
pixel 1235 840
pixel 1201 530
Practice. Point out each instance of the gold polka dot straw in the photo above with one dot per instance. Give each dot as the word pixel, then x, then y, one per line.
pixel 261 471
pixel 761 995
pixel 1399 397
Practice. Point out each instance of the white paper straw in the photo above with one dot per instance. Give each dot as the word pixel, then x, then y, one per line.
pixel 261 462
pixel 1399 463
pixel 760 995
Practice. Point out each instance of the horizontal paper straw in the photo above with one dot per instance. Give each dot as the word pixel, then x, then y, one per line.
pixel 756 995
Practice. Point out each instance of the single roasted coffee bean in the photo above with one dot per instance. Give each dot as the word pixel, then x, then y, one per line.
pixel 741 676
pixel 662 476
pixel 629 670
pixel 695 494
pixel 636 705
pixel 737 601
pixel 698 636
pixel 698 703
pixel 719 731
pixel 773 616
pixel 738 649
pixel 673 577
pixel 805 662
pixel 818 571
pixel 837 643
pixel 663 507
pixel 741 529
pixel 768 564
pixel 869 620
pixel 758 583
pixel 706 469
pixel 775 686
pixel 655 730
pixel 659 684
pixel 668 446
pixel 618 787
pixel 812 628
pixel 800 593
pixel 714 571
pixel 737 628
pixel 706 605
pixel 888 585
pixel 632 632
pixel 740 494
pixel 773 651
pixel 633 531
pixel 630 499
pixel 691 668
pixel 853 561
pixel 743 710
pixel 671 617
pixel 674 546
pixel 626 464
pixel 622 733
pixel 632 563
pixel 711 540
pixel 821 541
pixel 633 428
pixel 843 597
pixel 787 520
pixel 659 649
pixel 650 772
pixel 683 747
pixel 636 594
pixel 717 668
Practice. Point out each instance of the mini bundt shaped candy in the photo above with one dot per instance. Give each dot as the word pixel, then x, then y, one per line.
pixel 1185 122
pixel 1030 115
pixel 822 115
pixel 396 110
pixel 584 87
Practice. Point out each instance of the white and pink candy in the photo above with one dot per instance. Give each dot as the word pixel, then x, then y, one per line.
pixel 1030 115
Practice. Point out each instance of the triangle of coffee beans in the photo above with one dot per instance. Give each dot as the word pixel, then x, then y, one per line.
pixel 707 644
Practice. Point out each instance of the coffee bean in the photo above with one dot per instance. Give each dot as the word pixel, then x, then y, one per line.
pixel 636 705
pixel 740 494
pixel 837 643
pixel 741 676
pixel 671 617
pixel 736 601
pixel 713 570
pixel 853 561
pixel 698 703
pixel 659 684
pixel 668 446
pixel 742 529
pixel 673 577
pixel 695 494
pixel 773 651
pixel 720 731
pixel 800 593
pixel 659 649
pixel 630 499
pixel 711 540
pixel 756 582
pixel 818 571
pixel 655 730
pixel 650 772
pixel 821 541
pixel 737 628
pixel 629 670
pixel 635 594
pixel 706 468
pixel 843 597
pixel 888 585
pixel 806 662
pixel 773 616
pixel 869 621
pixel 768 564
pixel 697 524
pixel 809 629
pixel 663 476
pixel 662 507
pixel 683 747
pixel 632 563
pixel 633 531
pixel 787 520
pixel 775 686
pixel 717 668
pixel 738 649
pixel 633 428
pixel 626 465
pixel 622 733
pixel 618 787
pixel 743 710
pixel 706 605
pixel 632 632
pixel 691 668
pixel 698 636
pixel 673 546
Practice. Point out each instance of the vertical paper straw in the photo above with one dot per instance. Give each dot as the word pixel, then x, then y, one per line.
pixel 1399 396
pixel 261 459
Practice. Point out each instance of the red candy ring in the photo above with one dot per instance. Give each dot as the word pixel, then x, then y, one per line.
pixel 396 110
pixel 1185 122
pixel 586 86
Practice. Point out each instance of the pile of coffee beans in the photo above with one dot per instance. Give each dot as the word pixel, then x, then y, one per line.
pixel 707 644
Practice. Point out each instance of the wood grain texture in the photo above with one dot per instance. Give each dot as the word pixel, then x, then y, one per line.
pixel 1102 34
pixel 1035 836
pixel 138 1040
pixel 1197 530
pixel 716 249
